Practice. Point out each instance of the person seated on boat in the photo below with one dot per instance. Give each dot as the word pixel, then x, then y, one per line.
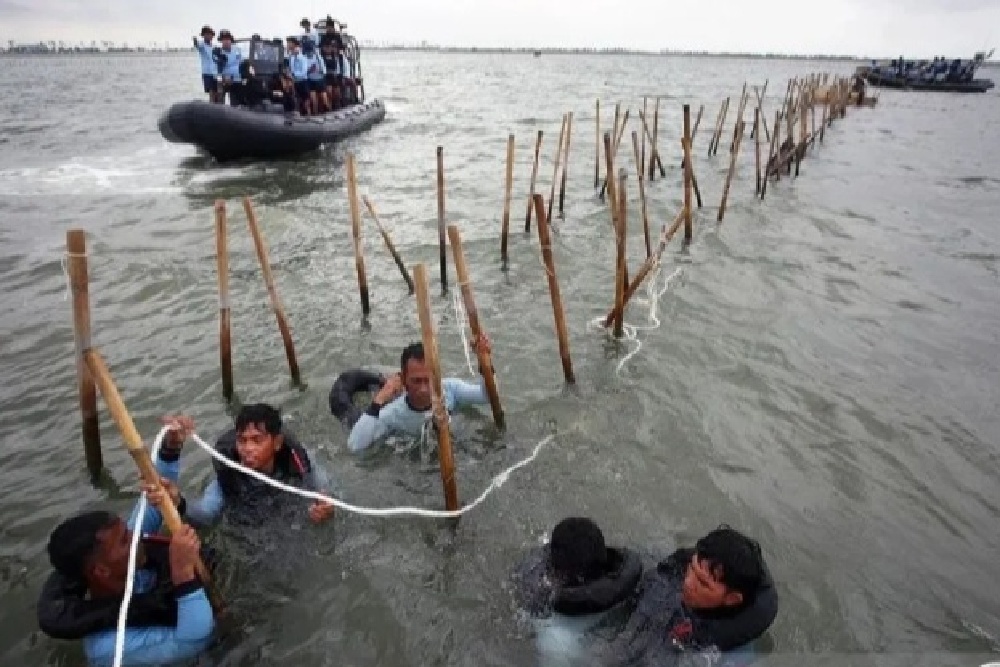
pixel 231 58
pixel 316 74
pixel 309 34
pixel 572 585
pixel 259 441
pixel 349 86
pixel 169 617
pixel 403 404
pixel 209 68
pixel 299 70
pixel 717 597
pixel 331 61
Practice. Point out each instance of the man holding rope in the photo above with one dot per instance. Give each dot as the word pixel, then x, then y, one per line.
pixel 260 443
pixel 404 402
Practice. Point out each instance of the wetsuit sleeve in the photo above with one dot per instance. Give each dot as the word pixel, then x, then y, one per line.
pixel 169 467
pixel 206 510
pixel 373 425
pixel 459 392
pixel 160 645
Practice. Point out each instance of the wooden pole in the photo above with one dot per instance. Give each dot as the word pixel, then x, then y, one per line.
pixel 822 125
pixel 803 134
pixel 388 243
pixel 738 125
pixel 642 156
pixel 565 166
pixel 441 419
pixel 359 256
pixel 222 262
pixel 116 406
pixel 555 166
pixel 771 153
pixel 76 260
pixel 485 362
pixel 621 278
pixel 652 139
pixel 688 230
pixel 642 190
pixel 508 185
pixel 441 233
pixel 756 139
pixel 722 126
pixel 609 159
pixel 655 154
pixel 614 147
pixel 545 241
pixel 597 146
pixel 733 154
pixel 534 177
pixel 272 292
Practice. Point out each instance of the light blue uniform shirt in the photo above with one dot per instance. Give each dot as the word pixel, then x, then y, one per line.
pixel 208 65
pixel 233 60
pixel 317 73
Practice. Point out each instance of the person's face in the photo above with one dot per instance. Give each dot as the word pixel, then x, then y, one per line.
pixel 703 587
pixel 227 43
pixel 109 563
pixel 257 448
pixel 417 380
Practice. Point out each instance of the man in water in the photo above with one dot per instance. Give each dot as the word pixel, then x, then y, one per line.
pixel 209 67
pixel 571 585
pixel 170 618
pixel 404 403
pixel 258 442
pixel 716 597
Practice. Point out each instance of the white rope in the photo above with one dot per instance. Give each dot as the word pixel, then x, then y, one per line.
pixel 462 320
pixel 130 580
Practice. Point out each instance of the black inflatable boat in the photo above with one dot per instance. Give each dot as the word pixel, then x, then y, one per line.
pixel 228 132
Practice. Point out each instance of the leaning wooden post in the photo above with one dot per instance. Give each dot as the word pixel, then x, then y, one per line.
pixel 485 362
pixel 656 137
pixel 440 201
pixel 803 133
pixel 688 230
pixel 597 151
pixel 556 163
pixel 733 154
pixel 76 260
pixel 642 190
pixel 531 187
pixel 222 261
pixel 545 241
pixel 508 185
pixel 756 139
pixel 272 292
pixel 359 256
pixel 116 406
pixel 439 410
pixel 771 153
pixel 388 243
pixel 565 165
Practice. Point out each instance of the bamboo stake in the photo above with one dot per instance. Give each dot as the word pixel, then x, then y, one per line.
pixel 508 185
pixel 272 292
pixel 694 176
pixel 555 167
pixel 534 177
pixel 440 201
pixel 609 160
pixel 441 419
pixel 485 362
pixel 651 137
pixel 222 262
pixel 803 129
pixel 756 139
pixel 688 230
pixel 562 333
pixel 718 132
pixel 711 141
pixel 614 148
pixel 565 167
pixel 740 109
pixel 732 168
pixel 642 156
pixel 76 254
pixel 822 124
pixel 388 243
pixel 770 154
pixel 697 123
pixel 359 256
pixel 116 406
pixel 597 146
pixel 656 143
pixel 621 278
pixel 642 191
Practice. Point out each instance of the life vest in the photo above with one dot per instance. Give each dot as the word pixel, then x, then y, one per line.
pixel 65 612
pixel 247 495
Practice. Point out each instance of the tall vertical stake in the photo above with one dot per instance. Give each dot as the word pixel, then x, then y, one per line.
pixel 441 224
pixel 222 262
pixel 76 252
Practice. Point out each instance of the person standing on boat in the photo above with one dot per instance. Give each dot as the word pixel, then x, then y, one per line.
pixel 316 74
pixel 331 35
pixel 404 403
pixel 331 61
pixel 299 70
pixel 309 33
pixel 231 78
pixel 209 68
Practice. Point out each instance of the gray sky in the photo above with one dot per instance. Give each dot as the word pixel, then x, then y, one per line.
pixel 883 28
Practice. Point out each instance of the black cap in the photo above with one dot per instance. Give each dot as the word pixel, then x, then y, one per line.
pixel 293 40
pixel 305 22
pixel 207 29
pixel 225 33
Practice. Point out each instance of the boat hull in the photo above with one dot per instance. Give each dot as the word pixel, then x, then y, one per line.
pixel 974 86
pixel 232 133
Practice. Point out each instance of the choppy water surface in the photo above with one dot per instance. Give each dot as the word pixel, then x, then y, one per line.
pixel 825 375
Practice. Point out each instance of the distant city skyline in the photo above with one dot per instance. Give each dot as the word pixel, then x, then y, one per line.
pixel 873 28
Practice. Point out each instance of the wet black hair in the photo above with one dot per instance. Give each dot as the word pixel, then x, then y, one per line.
pixel 73 543
pixel 577 551
pixel 411 351
pixel 735 559
pixel 259 414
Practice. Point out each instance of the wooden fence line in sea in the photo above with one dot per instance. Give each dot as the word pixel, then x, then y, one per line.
pixel 797 113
